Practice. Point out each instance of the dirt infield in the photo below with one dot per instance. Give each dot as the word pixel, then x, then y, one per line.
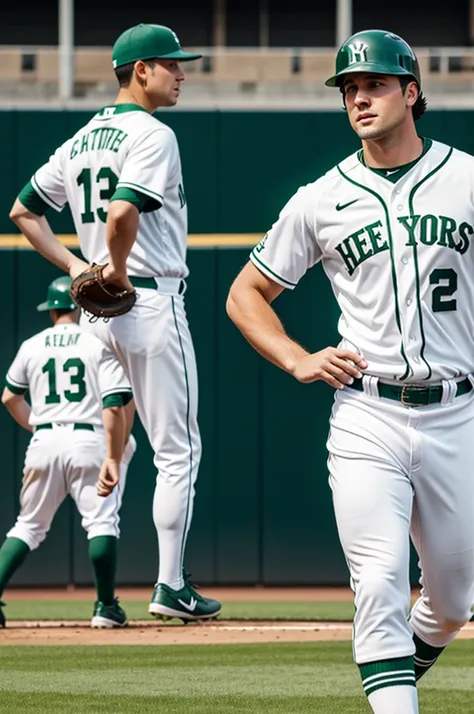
pixel 148 632
pixel 151 633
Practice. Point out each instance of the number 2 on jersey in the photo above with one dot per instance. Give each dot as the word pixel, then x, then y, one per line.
pixel 76 380
pixel 446 280
pixel 105 194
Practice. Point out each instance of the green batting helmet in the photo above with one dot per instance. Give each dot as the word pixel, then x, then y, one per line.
pixel 377 52
pixel 58 296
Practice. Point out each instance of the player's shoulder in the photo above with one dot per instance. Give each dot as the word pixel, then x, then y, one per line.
pixel 35 344
pixel 350 165
pixel 329 180
pixel 37 339
pixel 307 196
pixel 449 154
pixel 143 125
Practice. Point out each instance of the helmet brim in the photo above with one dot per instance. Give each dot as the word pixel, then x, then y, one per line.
pixel 368 68
pixel 46 306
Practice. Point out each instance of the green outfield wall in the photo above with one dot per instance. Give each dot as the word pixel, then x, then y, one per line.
pixel 263 511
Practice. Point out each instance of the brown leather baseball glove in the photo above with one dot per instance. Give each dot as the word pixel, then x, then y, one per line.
pixel 89 292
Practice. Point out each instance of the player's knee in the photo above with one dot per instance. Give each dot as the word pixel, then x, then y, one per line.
pixel 378 586
pixel 453 616
pixel 32 536
pixel 103 529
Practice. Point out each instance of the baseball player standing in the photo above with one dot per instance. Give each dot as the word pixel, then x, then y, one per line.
pixel 392 226
pixel 69 374
pixel 121 175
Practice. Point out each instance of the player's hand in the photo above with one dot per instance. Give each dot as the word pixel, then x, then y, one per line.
pixel 109 477
pixel 331 365
pixel 116 277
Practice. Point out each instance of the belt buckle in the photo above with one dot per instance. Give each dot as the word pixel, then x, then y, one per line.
pixel 406 401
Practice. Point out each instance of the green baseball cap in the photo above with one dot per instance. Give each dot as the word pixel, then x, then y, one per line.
pixel 59 297
pixel 145 42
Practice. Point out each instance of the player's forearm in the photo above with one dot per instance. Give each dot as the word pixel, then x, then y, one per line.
pixel 262 328
pixel 115 425
pixel 20 410
pixel 38 232
pixel 122 226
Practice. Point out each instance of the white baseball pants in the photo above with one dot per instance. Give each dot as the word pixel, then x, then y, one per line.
pixel 62 461
pixel 154 345
pixel 396 471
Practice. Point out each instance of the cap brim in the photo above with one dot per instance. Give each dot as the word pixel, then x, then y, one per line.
pixel 42 307
pixel 180 55
pixel 367 68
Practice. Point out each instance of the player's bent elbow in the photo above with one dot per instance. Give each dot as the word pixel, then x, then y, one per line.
pixel 231 306
pixel 9 397
pixel 17 211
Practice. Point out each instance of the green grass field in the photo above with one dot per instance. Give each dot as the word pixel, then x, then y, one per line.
pixel 254 679
pixel 206 679
pixel 82 609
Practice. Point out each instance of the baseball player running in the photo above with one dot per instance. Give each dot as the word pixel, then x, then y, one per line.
pixel 121 175
pixel 69 374
pixel 392 225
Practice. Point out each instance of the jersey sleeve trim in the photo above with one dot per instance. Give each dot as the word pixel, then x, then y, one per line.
pixel 142 189
pixel 117 399
pixel 14 387
pixel 44 196
pixel 270 273
pixel 116 390
pixel 32 201
pixel 131 195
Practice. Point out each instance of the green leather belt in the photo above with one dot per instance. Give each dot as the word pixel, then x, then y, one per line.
pixel 151 283
pixel 413 395
pixel 77 427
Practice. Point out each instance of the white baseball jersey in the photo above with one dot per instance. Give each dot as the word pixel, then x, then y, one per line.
pixel 399 257
pixel 69 373
pixel 122 147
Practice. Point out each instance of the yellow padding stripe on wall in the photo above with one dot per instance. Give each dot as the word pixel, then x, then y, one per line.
pixel 209 240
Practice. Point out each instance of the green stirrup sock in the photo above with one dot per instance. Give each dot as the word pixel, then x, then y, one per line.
pixel 425 656
pixel 103 557
pixel 12 554
pixel 387 673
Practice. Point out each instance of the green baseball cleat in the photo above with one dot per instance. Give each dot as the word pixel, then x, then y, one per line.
pixel 108 616
pixel 186 604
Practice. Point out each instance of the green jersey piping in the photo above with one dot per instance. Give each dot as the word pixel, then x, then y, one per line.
pixel 415 258
pixel 15 387
pixel 393 272
pixel 397 172
pixel 142 189
pixel 121 109
pixel 270 271
pixel 44 195
pixel 188 431
pixel 116 390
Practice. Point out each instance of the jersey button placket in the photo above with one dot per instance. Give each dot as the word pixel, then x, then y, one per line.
pixel 404 268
